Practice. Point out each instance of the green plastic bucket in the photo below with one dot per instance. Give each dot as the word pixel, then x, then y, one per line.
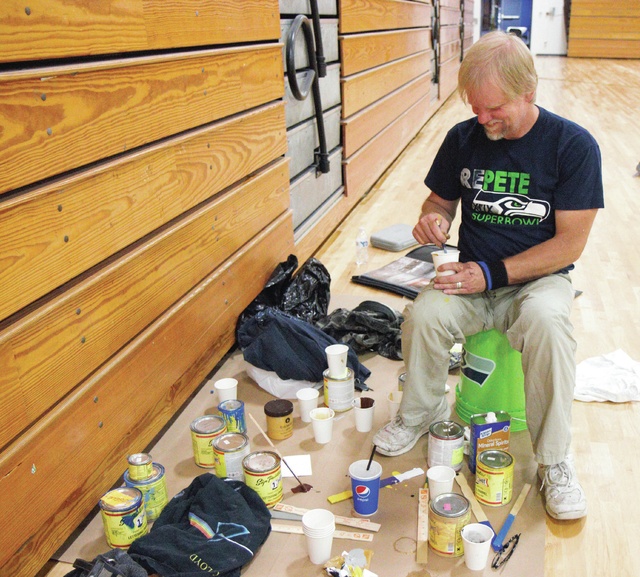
pixel 491 379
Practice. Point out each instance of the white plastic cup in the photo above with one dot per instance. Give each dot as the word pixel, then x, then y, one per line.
pixel 440 480
pixel 307 401
pixel 476 539
pixel 440 257
pixel 318 526
pixel 394 398
pixel 227 389
pixel 337 360
pixel 364 414
pixel 322 421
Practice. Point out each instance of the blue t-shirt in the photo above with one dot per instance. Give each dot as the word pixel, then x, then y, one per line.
pixel 509 189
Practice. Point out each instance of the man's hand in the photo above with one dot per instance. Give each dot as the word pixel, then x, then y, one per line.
pixel 467 279
pixel 432 229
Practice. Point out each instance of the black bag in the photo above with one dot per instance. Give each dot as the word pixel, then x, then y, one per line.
pixel 213 527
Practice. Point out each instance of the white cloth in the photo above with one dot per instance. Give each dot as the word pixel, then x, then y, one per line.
pixel 613 377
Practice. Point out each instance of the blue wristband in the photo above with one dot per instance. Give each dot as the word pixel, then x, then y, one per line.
pixel 495 274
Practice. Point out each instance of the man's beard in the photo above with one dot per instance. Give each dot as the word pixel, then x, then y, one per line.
pixel 494 135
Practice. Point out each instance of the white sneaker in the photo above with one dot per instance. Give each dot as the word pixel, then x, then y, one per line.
pixel 396 438
pixel 563 495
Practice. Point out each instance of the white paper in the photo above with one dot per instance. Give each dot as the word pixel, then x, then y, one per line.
pixel 301 465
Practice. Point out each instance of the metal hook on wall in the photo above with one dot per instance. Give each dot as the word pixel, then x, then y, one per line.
pixel 310 82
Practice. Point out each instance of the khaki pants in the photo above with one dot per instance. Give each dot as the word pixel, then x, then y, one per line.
pixel 535 318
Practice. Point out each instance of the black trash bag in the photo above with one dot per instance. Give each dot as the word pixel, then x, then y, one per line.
pixel 292 348
pixel 213 527
pixel 371 326
pixel 273 292
pixel 308 294
pixel 304 295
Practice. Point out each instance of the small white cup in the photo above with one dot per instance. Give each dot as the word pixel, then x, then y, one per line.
pixel 322 421
pixel 318 526
pixel 307 401
pixel 476 539
pixel 227 389
pixel 364 415
pixel 441 257
pixel 394 398
pixel 337 360
pixel 440 479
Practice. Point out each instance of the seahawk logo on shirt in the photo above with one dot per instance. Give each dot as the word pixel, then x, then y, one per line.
pixel 513 207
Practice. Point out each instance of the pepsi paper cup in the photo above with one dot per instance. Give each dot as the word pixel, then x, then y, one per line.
pixel 365 486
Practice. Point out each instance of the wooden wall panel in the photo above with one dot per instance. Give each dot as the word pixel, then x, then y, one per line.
pixel 64 464
pixel 364 125
pixel 363 89
pixel 43 29
pixel 365 167
pixel 604 29
pixel 368 15
pixel 61 118
pixel 63 341
pixel 99 212
pixel 363 51
pixel 144 202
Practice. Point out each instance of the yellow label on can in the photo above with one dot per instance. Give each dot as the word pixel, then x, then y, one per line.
pixel 123 524
pixel 263 474
pixel 445 534
pixel 494 484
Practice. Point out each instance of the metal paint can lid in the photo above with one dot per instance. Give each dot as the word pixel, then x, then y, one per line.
pixel 121 499
pixel 495 459
pixel 278 408
pixel 208 424
pixel 230 442
pixel 261 461
pixel 230 405
pixel 446 430
pixel 450 505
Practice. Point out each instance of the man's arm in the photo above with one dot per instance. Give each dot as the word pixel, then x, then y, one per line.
pixel 572 231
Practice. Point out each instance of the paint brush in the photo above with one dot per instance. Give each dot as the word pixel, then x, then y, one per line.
pixel 304 487
pixel 499 538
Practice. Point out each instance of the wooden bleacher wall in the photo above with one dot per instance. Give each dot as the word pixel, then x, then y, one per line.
pixel 604 29
pixel 144 202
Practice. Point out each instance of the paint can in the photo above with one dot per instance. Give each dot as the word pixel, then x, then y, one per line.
pixel 232 411
pixel 230 449
pixel 446 445
pixel 279 419
pixel 488 431
pixel 203 431
pixel 339 393
pixel 448 514
pixel 494 477
pixel 262 473
pixel 153 489
pixel 140 466
pixel 123 516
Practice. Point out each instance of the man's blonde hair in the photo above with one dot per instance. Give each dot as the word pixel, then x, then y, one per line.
pixel 499 59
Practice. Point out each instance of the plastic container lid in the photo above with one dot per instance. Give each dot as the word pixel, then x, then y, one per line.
pixel 278 408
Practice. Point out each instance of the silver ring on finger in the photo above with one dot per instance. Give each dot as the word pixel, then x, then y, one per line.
pixel 458 285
